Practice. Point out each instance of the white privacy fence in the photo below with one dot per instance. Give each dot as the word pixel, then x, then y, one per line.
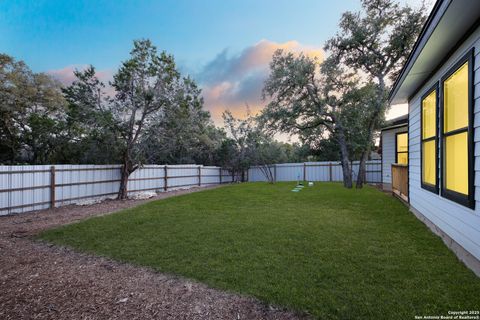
pixel 27 188
pixel 316 171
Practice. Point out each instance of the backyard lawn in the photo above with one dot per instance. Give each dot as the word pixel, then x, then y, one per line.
pixel 330 252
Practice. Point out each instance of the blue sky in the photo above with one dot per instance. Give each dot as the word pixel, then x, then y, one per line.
pixel 52 34
pixel 205 36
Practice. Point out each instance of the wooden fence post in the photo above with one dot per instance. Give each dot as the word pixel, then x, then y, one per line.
pixel 165 178
pixel 274 173
pixel 199 176
pixel 330 172
pixel 304 171
pixel 220 175
pixel 52 187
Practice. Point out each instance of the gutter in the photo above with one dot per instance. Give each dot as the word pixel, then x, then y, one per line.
pixel 427 24
pixel 394 127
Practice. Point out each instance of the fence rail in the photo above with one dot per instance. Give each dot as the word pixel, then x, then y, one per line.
pixel 28 188
pixel 317 171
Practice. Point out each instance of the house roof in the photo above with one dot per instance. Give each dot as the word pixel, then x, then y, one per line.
pixel 445 29
pixel 397 122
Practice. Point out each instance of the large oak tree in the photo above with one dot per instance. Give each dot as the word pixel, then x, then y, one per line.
pixel 375 43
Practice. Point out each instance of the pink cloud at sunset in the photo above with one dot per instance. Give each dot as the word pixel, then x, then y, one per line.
pixel 234 81
pixel 228 81
pixel 66 75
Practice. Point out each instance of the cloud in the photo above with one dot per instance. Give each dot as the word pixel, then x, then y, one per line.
pixel 66 76
pixel 229 81
pixel 234 81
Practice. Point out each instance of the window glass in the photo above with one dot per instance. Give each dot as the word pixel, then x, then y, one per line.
pixel 402 158
pixel 402 148
pixel 429 173
pixel 429 107
pixel 456 99
pixel 402 142
pixel 456 162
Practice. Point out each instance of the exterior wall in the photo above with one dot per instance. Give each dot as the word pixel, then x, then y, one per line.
pixel 388 153
pixel 458 222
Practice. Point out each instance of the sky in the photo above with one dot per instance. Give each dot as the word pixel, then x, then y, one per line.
pixel 224 45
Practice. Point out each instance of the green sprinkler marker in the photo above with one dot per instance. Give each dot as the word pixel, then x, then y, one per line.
pixel 299 185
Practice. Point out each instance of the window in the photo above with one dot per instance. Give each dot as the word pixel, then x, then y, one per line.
pixel 429 148
pixel 457 132
pixel 401 152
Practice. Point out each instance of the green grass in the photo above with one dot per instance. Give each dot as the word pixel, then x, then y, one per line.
pixel 332 252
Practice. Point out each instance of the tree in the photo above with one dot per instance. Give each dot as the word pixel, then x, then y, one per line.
pixel 145 85
pixel 183 132
pixel 89 123
pixel 296 152
pixel 376 42
pixel 248 144
pixel 234 151
pixel 31 109
pixel 265 152
pixel 313 99
pixel 154 115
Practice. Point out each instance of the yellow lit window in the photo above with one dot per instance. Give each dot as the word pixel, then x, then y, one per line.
pixel 456 162
pixel 429 141
pixel 402 148
pixel 429 165
pixel 456 135
pixel 455 90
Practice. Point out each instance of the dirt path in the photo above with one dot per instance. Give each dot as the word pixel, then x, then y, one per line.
pixel 39 281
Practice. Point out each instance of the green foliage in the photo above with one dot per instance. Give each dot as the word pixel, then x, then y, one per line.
pixel 183 132
pixel 344 97
pixel 249 144
pixel 145 85
pixel 317 101
pixel 148 114
pixel 31 108
pixel 375 42
pixel 378 39
pixel 335 253
pixel 90 124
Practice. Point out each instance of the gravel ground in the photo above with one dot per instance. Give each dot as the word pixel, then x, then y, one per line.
pixel 41 281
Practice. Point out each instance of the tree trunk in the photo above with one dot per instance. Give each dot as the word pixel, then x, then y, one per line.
pixel 366 152
pixel 267 172
pixel 362 169
pixel 344 160
pixel 126 170
pixel 12 155
pixel 381 92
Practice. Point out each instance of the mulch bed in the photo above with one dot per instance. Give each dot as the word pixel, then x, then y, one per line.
pixel 42 281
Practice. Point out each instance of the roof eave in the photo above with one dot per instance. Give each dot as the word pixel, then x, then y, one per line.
pixel 416 47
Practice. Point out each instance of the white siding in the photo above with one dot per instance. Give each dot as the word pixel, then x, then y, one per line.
pixel 458 222
pixel 388 152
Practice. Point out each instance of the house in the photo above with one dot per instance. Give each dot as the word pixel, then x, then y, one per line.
pixel 394 146
pixel 440 81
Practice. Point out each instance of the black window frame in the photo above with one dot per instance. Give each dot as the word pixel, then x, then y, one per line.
pixel 396 150
pixel 428 186
pixel 460 198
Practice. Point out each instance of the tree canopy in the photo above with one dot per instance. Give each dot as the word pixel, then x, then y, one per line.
pixel 375 42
